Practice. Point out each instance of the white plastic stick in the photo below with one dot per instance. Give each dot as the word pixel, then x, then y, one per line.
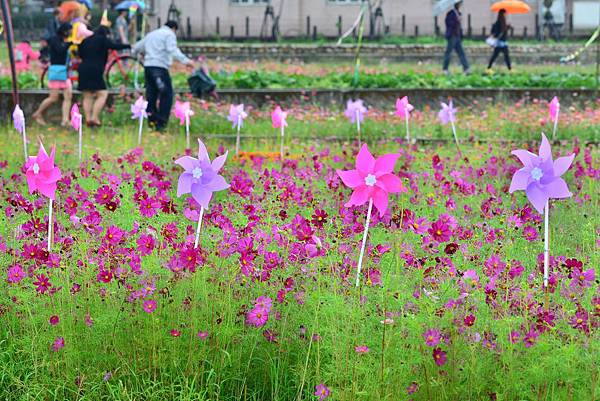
pixel 407 131
pixel 140 129
pixel 282 135
pixel 358 127
pixel 237 139
pixel 546 245
pixel 364 242
pixel 555 123
pixel 25 143
pixel 187 130
pixel 455 136
pixel 50 225
pixel 199 226
pixel 80 135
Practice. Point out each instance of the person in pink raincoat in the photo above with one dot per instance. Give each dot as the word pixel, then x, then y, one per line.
pixel 24 54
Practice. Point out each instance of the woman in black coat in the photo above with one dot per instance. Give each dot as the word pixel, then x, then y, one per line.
pixel 93 52
pixel 500 32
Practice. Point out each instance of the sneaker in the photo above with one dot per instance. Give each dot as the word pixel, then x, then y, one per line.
pixel 489 71
pixel 468 71
pixel 446 72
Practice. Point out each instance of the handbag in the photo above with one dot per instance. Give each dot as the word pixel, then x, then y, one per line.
pixel 57 72
pixel 491 41
pixel 201 83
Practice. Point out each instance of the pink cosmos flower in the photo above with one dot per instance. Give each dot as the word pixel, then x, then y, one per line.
pixel 432 337
pixel 42 175
pixel 439 356
pixel 372 179
pixel 149 305
pixel 278 118
pixel 257 317
pixel 54 320
pixel 138 109
pixel 15 274
pixel 447 114
pixel 75 117
pixel 237 115
pixel 440 231
pixel 203 335
pixel 58 344
pixel 175 333
pixel 322 391
pixel 361 349
pixel 540 176
pixel 355 109
pixel 403 108
pixel 183 111
pixel 553 108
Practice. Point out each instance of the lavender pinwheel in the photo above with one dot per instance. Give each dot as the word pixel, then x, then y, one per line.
pixel 355 112
pixel 200 179
pixel 540 176
pixel 138 112
pixel 237 116
pixel 448 115
pixel 540 179
pixel 19 123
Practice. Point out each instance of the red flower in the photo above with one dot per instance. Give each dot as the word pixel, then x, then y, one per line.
pixel 440 231
pixel 439 356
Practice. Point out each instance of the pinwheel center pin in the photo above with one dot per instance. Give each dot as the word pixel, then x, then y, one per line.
pixel 197 173
pixel 36 169
pixel 537 173
pixel 370 180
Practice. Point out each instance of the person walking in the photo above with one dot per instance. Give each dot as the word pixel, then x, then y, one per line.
pixel 58 75
pixel 499 32
pixel 93 52
pixel 122 27
pixel 454 36
pixel 159 48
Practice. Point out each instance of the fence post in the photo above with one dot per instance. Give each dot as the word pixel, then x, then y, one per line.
pixel 189 28
pixel 437 27
pixel 339 25
pixel 403 24
pixel 308 26
pixel 483 32
pixel 416 31
pixel 537 26
pixel 218 26
pixel 232 31
pixel 247 27
pixel 159 24
pixel 315 32
pixel 469 27
pixel 524 32
pixel 571 23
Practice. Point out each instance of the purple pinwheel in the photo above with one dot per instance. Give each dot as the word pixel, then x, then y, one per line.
pixel 447 114
pixel 355 110
pixel 540 176
pixel 138 109
pixel 237 115
pixel 19 123
pixel 201 178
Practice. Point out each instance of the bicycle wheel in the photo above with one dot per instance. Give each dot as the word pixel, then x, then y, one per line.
pixel 125 71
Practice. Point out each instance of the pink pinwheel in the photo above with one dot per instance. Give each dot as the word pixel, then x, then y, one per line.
pixel 540 176
pixel 75 117
pixel 355 110
pixel 201 178
pixel 237 115
pixel 41 173
pixel 278 118
pixel 448 113
pixel 19 119
pixel 553 108
pixel 373 179
pixel 403 108
pixel 138 109
pixel 183 111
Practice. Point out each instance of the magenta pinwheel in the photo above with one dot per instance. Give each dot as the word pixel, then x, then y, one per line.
pixel 75 117
pixel 41 173
pixel 138 109
pixel 183 112
pixel 553 108
pixel 373 179
pixel 540 176
pixel 403 107
pixel 355 110
pixel 278 118
pixel 237 115
pixel 201 177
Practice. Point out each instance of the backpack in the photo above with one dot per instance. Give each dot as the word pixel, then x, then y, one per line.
pixel 201 83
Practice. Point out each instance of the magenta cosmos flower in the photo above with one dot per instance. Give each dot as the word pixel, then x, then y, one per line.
pixel 201 177
pixel 540 176
pixel 322 391
pixel 372 179
pixel 42 175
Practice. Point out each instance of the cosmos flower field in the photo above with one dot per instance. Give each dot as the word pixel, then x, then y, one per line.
pixel 451 304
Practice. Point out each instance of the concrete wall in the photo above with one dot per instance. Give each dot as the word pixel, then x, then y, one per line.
pixel 324 14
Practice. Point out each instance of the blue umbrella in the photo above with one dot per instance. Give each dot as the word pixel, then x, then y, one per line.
pixel 88 3
pixel 125 5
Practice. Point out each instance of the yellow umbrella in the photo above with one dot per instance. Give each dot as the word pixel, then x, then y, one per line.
pixel 511 6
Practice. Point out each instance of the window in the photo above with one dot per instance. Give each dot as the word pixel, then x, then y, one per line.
pixel 249 2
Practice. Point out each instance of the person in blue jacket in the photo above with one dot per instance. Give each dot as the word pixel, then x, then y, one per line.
pixel 454 36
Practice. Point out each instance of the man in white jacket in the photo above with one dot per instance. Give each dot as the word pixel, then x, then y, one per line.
pixel 159 48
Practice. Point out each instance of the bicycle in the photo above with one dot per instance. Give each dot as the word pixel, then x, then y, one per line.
pixel 121 70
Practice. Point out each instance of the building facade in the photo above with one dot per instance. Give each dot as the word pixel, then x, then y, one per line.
pixel 298 18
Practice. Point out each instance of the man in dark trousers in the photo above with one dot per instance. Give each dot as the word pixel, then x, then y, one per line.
pixel 454 38
pixel 159 48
